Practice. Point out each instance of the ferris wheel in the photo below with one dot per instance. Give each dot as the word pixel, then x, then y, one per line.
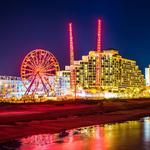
pixel 39 70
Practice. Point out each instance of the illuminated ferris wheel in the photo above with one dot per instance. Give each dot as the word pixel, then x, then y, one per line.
pixel 38 70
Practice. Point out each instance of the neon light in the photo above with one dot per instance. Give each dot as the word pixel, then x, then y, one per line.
pixel 98 61
pixel 71 44
pixel 99 41
pixel 36 69
pixel 72 71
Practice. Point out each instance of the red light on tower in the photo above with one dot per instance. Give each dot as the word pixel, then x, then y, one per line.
pixel 72 70
pixel 99 41
pixel 98 49
pixel 71 44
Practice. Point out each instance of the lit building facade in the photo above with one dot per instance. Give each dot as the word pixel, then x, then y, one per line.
pixel 63 83
pixel 11 86
pixel 117 73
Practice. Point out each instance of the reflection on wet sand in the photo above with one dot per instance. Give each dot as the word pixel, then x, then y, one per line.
pixel 119 136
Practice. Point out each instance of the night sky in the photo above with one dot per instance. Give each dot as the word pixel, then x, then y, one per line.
pixel 26 25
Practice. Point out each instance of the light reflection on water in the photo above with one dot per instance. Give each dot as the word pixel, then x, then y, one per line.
pixel 130 135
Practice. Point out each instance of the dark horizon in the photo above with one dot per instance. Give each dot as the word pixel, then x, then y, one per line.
pixel 28 25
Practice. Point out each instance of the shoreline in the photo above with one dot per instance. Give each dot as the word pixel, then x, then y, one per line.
pixel 26 121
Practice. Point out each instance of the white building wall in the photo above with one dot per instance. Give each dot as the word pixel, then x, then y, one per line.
pixel 147 76
pixel 11 86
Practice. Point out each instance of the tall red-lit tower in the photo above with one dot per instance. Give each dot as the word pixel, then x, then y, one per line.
pixel 99 39
pixel 72 69
pixel 71 44
pixel 99 50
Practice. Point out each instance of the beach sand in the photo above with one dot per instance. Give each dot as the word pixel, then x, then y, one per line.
pixel 19 120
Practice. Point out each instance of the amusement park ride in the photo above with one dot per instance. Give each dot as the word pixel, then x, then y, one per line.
pixel 43 80
pixel 40 66
pixel 36 69
pixel 99 50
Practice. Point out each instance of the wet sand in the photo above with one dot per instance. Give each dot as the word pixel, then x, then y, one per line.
pixel 18 120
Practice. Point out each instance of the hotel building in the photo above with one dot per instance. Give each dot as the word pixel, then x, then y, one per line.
pixel 11 86
pixel 117 73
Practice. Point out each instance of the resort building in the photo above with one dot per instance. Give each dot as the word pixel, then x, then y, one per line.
pixel 63 83
pixel 117 74
pixel 11 86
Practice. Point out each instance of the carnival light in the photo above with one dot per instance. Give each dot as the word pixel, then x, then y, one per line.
pixel 71 44
pixel 99 49
pixel 36 69
pixel 99 35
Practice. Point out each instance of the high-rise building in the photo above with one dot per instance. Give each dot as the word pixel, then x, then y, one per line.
pixel 117 73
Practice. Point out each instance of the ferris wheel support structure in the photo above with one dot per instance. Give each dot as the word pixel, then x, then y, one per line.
pixel 36 70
